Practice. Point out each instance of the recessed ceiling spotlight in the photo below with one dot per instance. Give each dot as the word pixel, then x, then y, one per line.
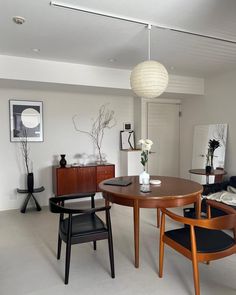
pixel 19 20
pixel 112 59
pixel 35 49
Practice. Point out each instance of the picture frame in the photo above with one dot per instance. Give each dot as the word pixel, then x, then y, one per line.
pixel 127 126
pixel 26 119
pixel 127 140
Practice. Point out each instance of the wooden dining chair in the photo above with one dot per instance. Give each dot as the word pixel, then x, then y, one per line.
pixel 81 226
pixel 202 240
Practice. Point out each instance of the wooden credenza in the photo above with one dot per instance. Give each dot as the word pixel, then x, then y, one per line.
pixel 81 179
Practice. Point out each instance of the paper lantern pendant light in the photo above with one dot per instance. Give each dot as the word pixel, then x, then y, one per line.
pixel 149 79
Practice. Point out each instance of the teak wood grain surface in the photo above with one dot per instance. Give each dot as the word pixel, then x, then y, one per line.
pixel 173 192
pixel 81 179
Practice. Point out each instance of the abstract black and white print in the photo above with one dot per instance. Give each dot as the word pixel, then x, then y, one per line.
pixel 26 119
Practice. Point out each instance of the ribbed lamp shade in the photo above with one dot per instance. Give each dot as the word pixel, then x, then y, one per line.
pixel 149 79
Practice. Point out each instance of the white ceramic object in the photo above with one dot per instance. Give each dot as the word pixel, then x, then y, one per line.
pixel 155 181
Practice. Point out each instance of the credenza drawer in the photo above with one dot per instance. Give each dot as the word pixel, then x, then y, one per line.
pixel 72 180
pixel 105 170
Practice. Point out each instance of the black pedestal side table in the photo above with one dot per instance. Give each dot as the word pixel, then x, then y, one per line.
pixel 30 194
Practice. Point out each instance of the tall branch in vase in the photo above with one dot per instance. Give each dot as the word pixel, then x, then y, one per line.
pixel 25 151
pixel 104 120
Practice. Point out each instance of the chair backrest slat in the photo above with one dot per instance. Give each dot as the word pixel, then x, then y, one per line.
pixel 57 205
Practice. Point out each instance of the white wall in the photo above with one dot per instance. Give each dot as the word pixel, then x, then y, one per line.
pixel 217 106
pixel 33 79
pixel 59 134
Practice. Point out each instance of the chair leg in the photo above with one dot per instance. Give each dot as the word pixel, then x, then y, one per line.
pixel 110 243
pixel 68 249
pixel 195 261
pixel 59 247
pixel 161 247
pixel 92 202
pixel 158 217
pixel 111 254
pixel 67 268
pixel 196 277
pixel 94 245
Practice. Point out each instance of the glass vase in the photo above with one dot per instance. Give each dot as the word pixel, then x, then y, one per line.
pixel 144 177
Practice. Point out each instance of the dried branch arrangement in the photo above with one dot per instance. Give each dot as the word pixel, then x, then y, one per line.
pixel 104 120
pixel 25 151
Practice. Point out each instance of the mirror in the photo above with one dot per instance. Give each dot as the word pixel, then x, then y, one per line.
pixel 202 135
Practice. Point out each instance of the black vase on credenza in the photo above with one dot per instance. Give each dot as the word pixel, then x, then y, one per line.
pixel 63 161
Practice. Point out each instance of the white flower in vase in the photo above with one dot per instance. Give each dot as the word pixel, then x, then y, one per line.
pixel 146 145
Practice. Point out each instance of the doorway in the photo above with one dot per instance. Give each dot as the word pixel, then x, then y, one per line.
pixel 163 124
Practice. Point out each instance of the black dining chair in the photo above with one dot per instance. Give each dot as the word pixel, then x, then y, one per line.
pixel 81 226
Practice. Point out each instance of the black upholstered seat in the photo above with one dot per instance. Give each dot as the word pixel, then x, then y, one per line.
pixel 207 241
pixel 81 226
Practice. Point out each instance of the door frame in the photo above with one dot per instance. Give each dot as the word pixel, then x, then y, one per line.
pixel 144 108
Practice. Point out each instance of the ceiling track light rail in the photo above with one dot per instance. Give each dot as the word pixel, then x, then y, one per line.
pixel 137 21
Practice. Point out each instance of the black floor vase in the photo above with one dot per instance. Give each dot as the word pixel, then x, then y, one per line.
pixel 30 182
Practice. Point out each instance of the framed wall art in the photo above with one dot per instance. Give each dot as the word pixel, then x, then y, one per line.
pixel 26 118
pixel 127 140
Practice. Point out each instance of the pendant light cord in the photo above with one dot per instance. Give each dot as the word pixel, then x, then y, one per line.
pixel 149 41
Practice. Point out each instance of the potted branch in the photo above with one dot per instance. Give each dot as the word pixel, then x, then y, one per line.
pixel 28 164
pixel 104 120
pixel 212 146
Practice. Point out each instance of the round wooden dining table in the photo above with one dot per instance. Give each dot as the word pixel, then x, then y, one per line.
pixel 172 192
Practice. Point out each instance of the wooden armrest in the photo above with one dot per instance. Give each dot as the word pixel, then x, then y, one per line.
pixel 223 207
pixel 57 206
pixel 222 222
pixel 74 196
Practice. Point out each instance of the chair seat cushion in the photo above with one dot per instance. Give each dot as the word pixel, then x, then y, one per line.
pixel 84 224
pixel 208 241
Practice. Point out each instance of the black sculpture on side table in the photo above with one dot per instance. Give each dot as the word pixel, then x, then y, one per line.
pixel 30 193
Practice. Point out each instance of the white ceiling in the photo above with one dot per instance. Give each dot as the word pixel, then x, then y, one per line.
pixel 73 36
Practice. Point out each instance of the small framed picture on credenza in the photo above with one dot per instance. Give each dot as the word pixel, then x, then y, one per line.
pixel 127 140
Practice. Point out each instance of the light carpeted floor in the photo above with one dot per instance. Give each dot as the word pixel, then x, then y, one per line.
pixel 28 263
